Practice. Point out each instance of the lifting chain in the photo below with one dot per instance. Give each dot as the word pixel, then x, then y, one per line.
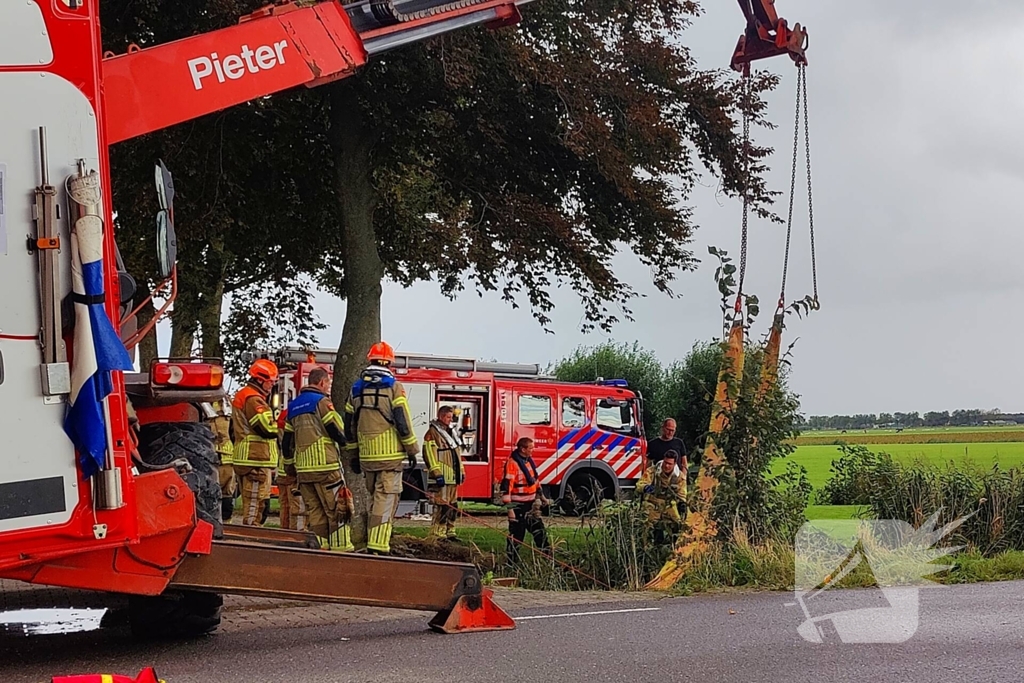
pixel 746 189
pixel 800 116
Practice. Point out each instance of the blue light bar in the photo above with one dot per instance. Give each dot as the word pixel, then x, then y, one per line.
pixel 621 383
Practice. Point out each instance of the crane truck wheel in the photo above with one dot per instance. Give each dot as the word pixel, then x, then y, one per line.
pixel 163 443
pixel 181 614
pixel 175 614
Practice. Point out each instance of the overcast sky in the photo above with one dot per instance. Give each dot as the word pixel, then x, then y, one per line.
pixel 915 116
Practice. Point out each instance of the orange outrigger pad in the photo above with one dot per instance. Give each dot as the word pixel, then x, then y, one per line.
pixel 700 527
pixel 473 613
pixel 147 675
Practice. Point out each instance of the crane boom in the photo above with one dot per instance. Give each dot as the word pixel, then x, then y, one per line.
pixel 767 35
pixel 271 50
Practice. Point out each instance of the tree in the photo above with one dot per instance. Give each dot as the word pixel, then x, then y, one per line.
pixel 512 161
pixel 249 221
pixel 640 368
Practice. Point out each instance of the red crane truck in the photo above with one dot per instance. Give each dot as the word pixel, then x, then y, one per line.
pixel 108 475
pixel 107 481
pixel 589 437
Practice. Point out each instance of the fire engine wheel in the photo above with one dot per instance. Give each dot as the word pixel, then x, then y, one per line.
pixel 175 614
pixel 583 493
pixel 162 443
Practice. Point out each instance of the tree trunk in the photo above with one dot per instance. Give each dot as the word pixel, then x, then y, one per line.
pixel 148 348
pixel 209 322
pixel 352 142
pixel 183 335
pixel 213 300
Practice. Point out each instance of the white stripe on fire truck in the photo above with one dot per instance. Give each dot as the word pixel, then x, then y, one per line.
pixel 623 456
pixel 550 466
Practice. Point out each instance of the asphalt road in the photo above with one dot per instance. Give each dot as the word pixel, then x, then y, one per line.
pixel 965 633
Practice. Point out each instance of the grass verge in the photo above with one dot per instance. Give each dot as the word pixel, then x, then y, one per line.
pixel 742 566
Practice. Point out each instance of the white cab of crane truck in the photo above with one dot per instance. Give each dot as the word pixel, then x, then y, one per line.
pixel 38 479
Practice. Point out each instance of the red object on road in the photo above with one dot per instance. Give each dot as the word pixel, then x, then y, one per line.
pixel 147 675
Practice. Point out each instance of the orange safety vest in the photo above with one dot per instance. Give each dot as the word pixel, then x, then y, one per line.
pixel 515 484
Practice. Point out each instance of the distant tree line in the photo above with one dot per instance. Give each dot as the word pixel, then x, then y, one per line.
pixel 945 418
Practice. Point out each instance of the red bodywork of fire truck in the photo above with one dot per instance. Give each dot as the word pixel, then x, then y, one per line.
pixel 588 438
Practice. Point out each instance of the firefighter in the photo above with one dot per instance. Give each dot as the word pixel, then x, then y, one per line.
pixel 522 496
pixel 255 431
pixel 219 415
pixel 313 438
pixel 378 431
pixel 441 453
pixel 291 507
pixel 663 490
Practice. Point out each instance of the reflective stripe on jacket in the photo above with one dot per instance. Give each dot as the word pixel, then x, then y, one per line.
pixel 441 459
pixel 669 489
pixel 515 484
pixel 311 414
pixel 255 430
pixel 377 419
pixel 221 426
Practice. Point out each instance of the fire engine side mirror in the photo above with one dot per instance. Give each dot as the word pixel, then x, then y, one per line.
pixel 166 240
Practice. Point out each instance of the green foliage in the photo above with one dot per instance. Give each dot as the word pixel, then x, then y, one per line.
pixel 765 504
pixel 758 432
pixel 633 363
pixel 992 498
pixel 267 319
pixel 855 475
pixel 688 391
pixel 612 549
pixel 513 161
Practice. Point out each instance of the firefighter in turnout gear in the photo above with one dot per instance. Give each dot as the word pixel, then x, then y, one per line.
pixel 218 415
pixel 378 430
pixel 441 453
pixel 521 494
pixel 255 431
pixel 293 512
pixel 663 490
pixel 313 438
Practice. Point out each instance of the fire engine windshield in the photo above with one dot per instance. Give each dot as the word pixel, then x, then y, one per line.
pixel 616 415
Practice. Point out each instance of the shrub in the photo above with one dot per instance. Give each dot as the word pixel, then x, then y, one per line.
pixel 993 499
pixel 856 475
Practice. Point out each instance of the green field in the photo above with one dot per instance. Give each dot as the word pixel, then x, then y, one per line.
pixel 929 431
pixel 818 459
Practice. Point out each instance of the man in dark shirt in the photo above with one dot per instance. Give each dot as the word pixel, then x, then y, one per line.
pixel 659 446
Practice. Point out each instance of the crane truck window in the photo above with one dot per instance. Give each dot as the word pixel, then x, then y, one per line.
pixel 534 410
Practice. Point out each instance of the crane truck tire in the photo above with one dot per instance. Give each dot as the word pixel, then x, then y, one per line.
pixel 181 614
pixel 175 614
pixel 163 443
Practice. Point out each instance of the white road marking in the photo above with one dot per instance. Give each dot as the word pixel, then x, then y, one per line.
pixel 587 614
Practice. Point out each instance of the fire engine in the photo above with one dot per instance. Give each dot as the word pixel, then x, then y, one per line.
pixel 588 438
pixel 108 475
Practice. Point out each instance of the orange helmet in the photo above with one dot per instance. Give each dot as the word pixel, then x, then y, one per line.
pixel 264 369
pixel 381 351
